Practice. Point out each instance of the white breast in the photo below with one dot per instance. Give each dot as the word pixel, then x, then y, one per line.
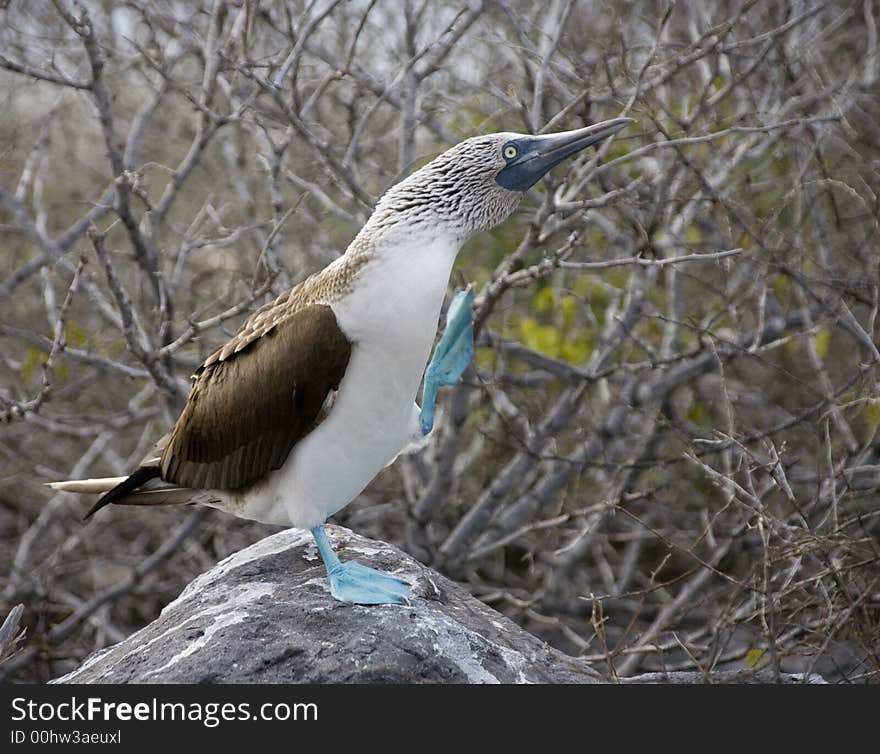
pixel 391 319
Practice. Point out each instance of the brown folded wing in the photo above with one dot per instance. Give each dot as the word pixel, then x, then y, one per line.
pixel 251 404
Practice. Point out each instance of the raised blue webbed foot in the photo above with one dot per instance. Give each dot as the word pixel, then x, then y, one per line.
pixel 451 356
pixel 356 583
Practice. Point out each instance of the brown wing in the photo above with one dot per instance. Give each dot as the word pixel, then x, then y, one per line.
pixel 253 402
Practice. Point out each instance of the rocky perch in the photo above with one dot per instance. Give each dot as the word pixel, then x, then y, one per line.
pixel 265 615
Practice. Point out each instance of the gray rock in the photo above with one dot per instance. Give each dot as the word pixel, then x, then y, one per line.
pixel 265 615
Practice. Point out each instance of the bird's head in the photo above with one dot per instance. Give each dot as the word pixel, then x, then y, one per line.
pixel 477 183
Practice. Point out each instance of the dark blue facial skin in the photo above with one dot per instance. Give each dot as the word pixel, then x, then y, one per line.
pixel 536 155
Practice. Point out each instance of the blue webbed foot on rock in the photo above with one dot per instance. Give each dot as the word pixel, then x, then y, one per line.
pixel 360 585
pixel 356 583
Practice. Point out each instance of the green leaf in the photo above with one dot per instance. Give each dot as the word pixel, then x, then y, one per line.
pixel 693 235
pixel 576 351
pixel 699 414
pixel 756 659
pixel 75 335
pixel 545 339
pixel 872 413
pixel 569 306
pixel 32 359
pixel 485 357
pixel 545 299
pixel 821 340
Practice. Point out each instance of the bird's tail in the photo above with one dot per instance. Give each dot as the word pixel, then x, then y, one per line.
pixel 88 486
pixel 137 489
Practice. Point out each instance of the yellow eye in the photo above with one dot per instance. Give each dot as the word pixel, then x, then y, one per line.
pixel 509 152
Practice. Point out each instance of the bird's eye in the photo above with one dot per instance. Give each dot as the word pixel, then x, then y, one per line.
pixel 509 152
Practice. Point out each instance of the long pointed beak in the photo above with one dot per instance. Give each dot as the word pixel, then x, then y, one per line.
pixel 536 155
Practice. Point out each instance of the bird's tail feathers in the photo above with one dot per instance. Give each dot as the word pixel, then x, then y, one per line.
pixel 165 495
pixel 143 487
pixel 88 486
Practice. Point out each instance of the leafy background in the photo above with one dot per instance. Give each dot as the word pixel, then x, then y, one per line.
pixel 666 454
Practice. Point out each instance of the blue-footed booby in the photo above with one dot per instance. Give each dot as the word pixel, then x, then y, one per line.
pixel 291 419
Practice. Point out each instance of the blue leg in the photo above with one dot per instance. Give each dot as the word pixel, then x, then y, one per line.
pixel 451 356
pixel 353 582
